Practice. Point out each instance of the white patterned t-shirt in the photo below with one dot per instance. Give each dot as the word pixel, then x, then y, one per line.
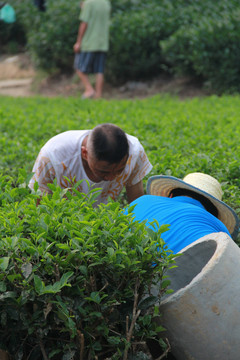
pixel 61 158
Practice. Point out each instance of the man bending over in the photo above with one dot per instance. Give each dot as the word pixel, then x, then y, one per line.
pixel 105 157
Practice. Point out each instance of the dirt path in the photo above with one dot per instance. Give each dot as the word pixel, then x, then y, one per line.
pixel 18 78
pixel 16 75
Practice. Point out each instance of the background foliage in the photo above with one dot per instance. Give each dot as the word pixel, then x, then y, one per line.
pixel 12 37
pixel 199 38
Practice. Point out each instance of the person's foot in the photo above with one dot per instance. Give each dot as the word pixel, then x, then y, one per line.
pixel 88 95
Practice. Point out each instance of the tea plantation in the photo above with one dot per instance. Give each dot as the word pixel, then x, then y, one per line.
pixel 52 301
pixel 178 136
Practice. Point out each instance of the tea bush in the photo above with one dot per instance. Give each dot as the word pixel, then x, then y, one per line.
pixel 68 271
pixel 74 280
pixel 209 49
pixel 27 14
pixel 134 41
pixel 201 134
pixel 51 34
pixel 12 37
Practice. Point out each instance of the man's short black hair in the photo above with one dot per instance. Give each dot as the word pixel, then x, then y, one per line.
pixel 109 143
pixel 201 198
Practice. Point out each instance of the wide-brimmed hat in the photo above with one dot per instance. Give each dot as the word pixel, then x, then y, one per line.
pixel 202 184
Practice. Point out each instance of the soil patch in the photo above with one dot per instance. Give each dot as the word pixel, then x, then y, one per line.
pixel 19 78
pixel 16 67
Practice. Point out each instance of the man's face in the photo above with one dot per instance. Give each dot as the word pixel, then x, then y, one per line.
pixel 102 170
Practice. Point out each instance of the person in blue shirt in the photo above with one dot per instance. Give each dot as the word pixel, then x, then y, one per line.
pixel 192 207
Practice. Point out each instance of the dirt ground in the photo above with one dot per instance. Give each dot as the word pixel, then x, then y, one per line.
pixel 19 78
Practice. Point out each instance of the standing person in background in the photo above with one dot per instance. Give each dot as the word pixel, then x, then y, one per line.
pixel 92 45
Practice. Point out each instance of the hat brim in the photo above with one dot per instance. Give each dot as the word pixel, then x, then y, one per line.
pixel 162 185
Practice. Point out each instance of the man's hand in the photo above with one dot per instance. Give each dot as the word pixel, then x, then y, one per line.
pixel 134 191
pixel 76 47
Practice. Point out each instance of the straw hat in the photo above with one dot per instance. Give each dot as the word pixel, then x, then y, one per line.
pixel 200 183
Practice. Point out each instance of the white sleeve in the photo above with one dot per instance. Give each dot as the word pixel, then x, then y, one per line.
pixel 44 173
pixel 141 167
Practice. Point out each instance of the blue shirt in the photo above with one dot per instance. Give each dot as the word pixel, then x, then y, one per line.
pixel 187 217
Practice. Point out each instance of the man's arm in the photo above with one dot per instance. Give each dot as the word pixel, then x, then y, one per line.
pixel 134 191
pixel 82 28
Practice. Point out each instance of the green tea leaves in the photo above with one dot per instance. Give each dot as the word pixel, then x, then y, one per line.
pixel 4 263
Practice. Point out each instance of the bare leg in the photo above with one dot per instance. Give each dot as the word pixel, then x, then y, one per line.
pixel 99 85
pixel 89 91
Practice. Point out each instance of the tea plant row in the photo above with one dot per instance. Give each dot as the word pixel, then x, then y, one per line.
pixel 74 280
